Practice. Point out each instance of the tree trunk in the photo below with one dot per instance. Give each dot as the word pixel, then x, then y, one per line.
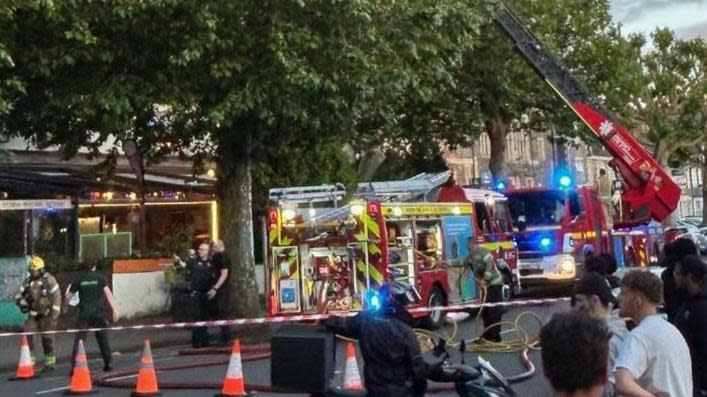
pixel 236 217
pixel 497 130
pixel 369 164
pixel 674 216
pixel 561 153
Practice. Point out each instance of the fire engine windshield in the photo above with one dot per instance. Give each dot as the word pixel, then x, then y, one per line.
pixel 542 208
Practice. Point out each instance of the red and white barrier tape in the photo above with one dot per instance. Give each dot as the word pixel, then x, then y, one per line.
pixel 287 319
pixel 467 306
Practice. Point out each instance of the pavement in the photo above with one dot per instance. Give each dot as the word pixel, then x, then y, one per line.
pixel 121 342
pixel 167 343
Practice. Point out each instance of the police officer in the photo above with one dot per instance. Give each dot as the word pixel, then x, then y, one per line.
pixel 94 293
pixel 200 273
pixel 40 298
pixel 394 366
pixel 489 278
pixel 220 293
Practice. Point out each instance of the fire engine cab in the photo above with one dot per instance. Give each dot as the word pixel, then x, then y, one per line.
pixel 325 257
pixel 556 229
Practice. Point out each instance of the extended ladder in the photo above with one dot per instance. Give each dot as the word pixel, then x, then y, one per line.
pixel 651 191
pixel 308 194
pixel 419 187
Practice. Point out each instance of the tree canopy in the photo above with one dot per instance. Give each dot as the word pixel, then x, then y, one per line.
pixel 668 101
pixel 506 90
pixel 255 86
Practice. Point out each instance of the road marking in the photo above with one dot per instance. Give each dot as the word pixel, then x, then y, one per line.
pixel 52 390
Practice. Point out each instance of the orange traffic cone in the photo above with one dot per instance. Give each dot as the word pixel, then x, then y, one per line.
pixel 352 378
pixel 146 378
pixel 233 385
pixel 25 368
pixel 81 377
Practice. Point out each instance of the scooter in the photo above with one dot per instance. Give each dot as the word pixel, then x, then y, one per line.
pixel 480 381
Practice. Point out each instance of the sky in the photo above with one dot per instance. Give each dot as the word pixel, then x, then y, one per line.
pixel 688 18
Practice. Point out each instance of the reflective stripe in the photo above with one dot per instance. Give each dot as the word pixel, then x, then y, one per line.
pixel 56 307
pixel 55 289
pixel 376 275
pixel 506 245
pixel 371 225
pixel 272 236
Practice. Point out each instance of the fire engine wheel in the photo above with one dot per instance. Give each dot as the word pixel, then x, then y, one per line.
pixel 436 318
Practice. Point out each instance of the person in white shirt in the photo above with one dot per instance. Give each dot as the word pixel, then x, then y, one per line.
pixel 654 359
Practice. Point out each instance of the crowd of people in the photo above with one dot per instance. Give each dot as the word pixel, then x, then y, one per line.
pixel 651 340
pixel 40 297
pixel 591 351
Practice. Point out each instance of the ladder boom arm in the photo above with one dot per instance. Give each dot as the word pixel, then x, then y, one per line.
pixel 649 190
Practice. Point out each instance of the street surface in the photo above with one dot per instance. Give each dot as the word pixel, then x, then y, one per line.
pixel 167 343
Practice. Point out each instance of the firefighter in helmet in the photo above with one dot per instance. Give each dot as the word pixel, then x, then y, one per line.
pixel 40 298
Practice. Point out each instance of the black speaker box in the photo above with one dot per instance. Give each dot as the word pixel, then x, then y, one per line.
pixel 303 359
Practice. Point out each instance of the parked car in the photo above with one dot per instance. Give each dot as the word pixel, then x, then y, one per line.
pixel 687 230
pixel 692 220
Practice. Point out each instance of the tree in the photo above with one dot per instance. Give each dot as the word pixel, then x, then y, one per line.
pixel 239 82
pixel 504 87
pixel 312 71
pixel 668 99
pixel 693 122
pixel 670 85
pixel 9 84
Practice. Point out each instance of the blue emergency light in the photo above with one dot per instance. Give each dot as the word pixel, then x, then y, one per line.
pixel 545 242
pixel 500 185
pixel 373 300
pixel 563 178
pixel 565 181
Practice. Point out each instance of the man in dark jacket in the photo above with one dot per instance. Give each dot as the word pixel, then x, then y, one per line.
pixel 201 278
pixel 394 366
pixel 220 292
pixel 672 254
pixel 691 318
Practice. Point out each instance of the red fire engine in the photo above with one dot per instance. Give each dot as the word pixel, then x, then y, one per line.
pixel 327 258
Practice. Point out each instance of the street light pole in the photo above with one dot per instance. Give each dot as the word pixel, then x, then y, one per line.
pixel 131 150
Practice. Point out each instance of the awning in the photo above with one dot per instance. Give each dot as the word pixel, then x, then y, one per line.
pixel 30 180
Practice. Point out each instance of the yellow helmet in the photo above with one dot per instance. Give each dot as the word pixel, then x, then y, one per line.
pixel 36 263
